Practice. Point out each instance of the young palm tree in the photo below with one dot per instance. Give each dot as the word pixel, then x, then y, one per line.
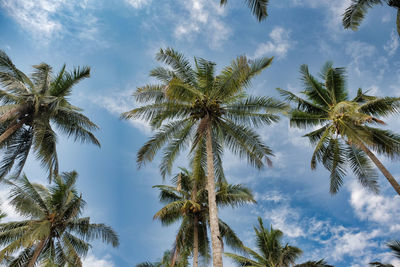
pixel 166 261
pixel 187 201
pixel 197 108
pixel 54 233
pixel 258 8
pixel 355 13
pixel 29 108
pixel 345 136
pixel 271 253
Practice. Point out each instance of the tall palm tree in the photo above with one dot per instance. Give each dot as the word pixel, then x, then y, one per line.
pixel 54 233
pixel 355 13
pixel 395 247
pixel 187 201
pixel 271 253
pixel 258 8
pixel 194 107
pixel 166 261
pixel 344 136
pixel 31 106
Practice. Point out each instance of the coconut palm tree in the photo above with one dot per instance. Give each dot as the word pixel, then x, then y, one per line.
pixel 345 136
pixel 30 107
pixel 271 253
pixel 320 263
pixel 187 202
pixel 54 234
pixel 355 13
pixel 258 8
pixel 395 247
pixel 194 107
pixel 166 261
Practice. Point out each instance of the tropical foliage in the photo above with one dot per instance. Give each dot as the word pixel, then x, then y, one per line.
pixel 54 234
pixel 194 107
pixel 271 251
pixel 166 261
pixel 355 13
pixel 30 107
pixel 258 8
pixel 395 247
pixel 344 134
pixel 187 202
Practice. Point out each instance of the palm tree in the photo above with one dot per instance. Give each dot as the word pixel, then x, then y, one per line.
pixel 258 8
pixel 271 253
pixel 355 13
pixel 196 108
pixel 166 261
pixel 187 201
pixel 54 233
pixel 320 263
pixel 29 108
pixel 344 136
pixel 395 247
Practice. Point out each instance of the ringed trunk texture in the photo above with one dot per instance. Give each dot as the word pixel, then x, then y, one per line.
pixel 10 131
pixel 212 204
pixel 196 242
pixel 38 250
pixel 382 168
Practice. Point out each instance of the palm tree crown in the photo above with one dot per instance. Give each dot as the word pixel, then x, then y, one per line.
pixel 194 107
pixel 355 13
pixel 54 234
pixel 30 107
pixel 187 201
pixel 344 134
pixel 271 253
pixel 166 261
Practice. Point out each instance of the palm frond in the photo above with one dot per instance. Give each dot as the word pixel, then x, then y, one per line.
pixel 355 13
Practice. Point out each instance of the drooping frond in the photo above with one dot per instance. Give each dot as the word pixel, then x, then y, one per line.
pixel 355 13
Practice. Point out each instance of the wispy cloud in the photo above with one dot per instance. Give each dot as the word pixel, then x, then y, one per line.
pixel 278 45
pixel 47 20
pixel 138 3
pixel 392 45
pixel 202 18
pixel 92 261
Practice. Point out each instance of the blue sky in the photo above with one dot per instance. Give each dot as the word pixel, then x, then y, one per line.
pixel 119 39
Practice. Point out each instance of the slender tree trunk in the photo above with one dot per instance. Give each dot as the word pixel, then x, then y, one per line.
pixel 382 168
pixel 11 130
pixel 37 252
pixel 212 204
pixel 10 114
pixel 196 242
pixel 174 257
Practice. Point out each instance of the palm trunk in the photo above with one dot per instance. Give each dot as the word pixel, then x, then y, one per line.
pixel 382 168
pixel 38 250
pixel 196 242
pixel 10 114
pixel 174 257
pixel 212 204
pixel 11 130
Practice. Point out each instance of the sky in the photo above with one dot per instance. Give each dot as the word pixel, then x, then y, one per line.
pixel 119 40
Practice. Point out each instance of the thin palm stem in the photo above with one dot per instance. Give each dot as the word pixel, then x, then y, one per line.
pixel 381 167
pixel 214 226
pixel 37 252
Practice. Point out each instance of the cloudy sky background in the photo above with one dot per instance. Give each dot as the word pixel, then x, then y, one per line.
pixel 119 39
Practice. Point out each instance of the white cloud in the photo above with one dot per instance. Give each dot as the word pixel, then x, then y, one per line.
pixel 376 208
pixel 278 46
pixel 392 45
pixel 5 207
pixel 92 261
pixel 334 11
pixel 138 3
pixel 119 102
pixel 43 19
pixel 203 18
